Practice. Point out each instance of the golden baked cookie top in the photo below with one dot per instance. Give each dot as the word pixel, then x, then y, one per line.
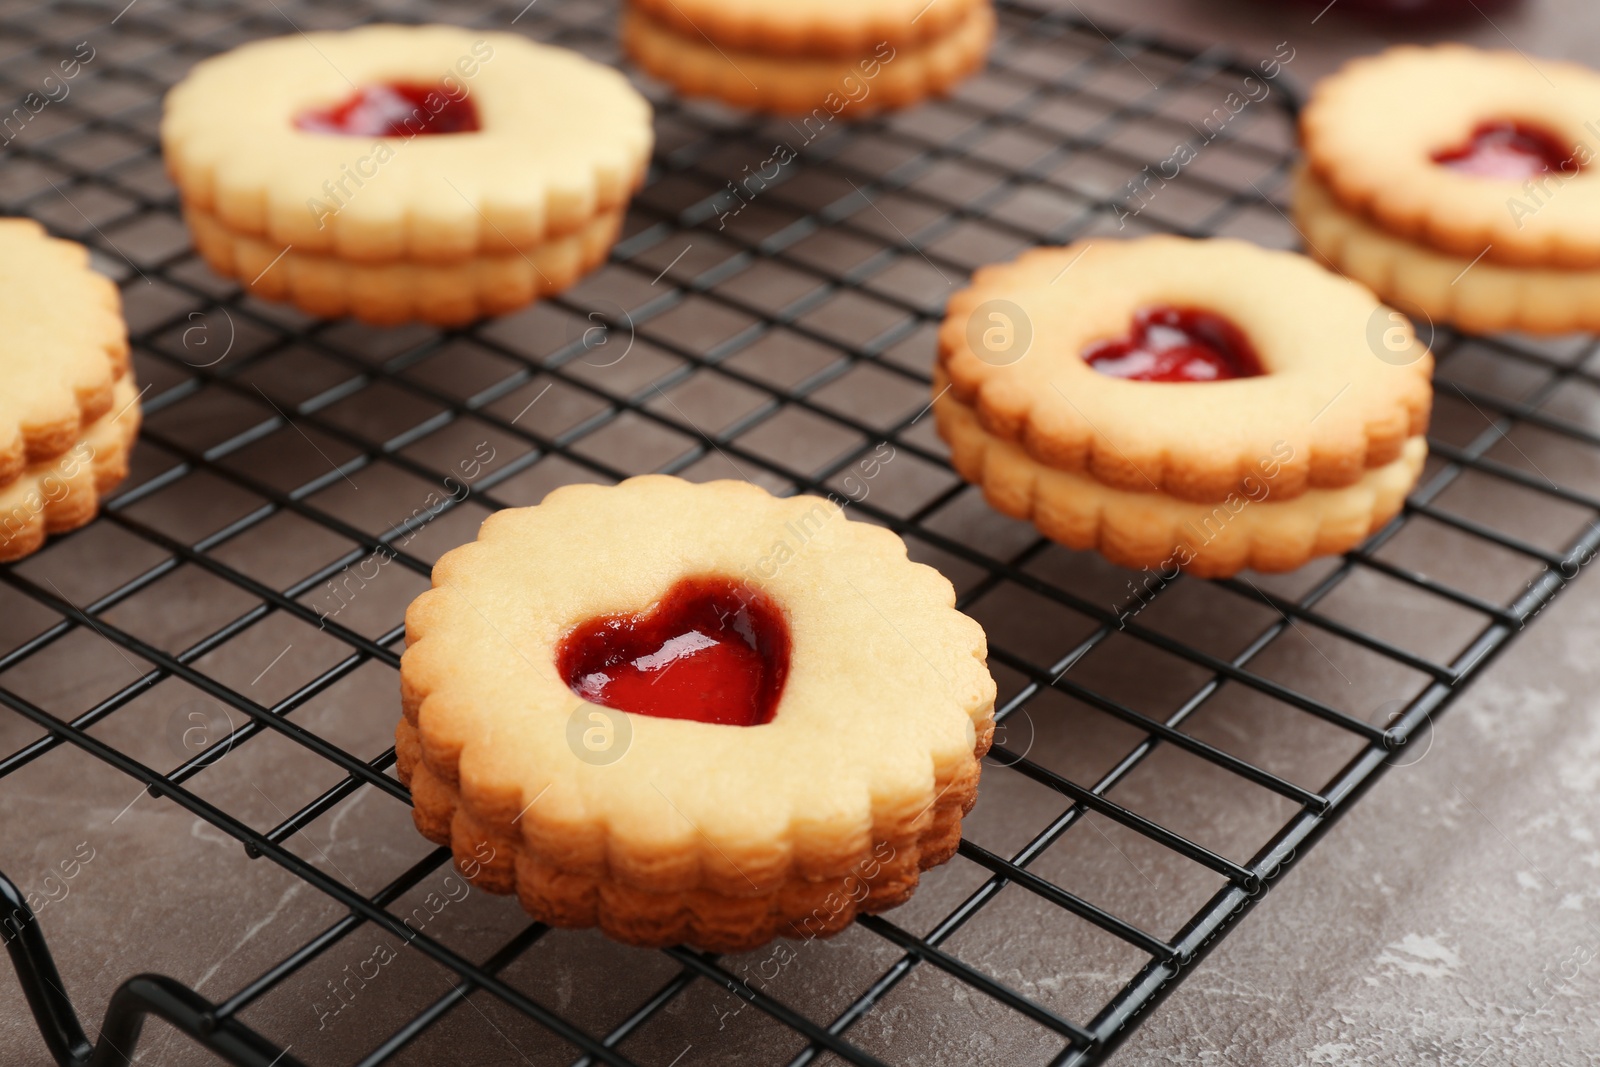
pixel 811 27
pixel 1469 151
pixel 857 691
pixel 63 347
pixel 488 142
pixel 1259 366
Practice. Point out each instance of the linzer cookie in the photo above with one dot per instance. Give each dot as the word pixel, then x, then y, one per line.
pixel 63 348
pixel 692 713
pixel 64 492
pixel 68 410
pixel 397 173
pixel 1201 405
pixel 1455 181
pixel 820 58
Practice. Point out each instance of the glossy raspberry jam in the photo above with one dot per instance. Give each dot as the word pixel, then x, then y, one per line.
pixel 393 110
pixel 1514 150
pixel 1172 344
pixel 712 650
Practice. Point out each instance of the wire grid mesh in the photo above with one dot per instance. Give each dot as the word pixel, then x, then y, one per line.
pixel 1164 752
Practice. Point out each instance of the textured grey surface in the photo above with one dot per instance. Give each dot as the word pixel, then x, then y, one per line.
pixel 1449 919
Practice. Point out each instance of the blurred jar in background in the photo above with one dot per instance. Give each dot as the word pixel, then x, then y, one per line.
pixel 1418 10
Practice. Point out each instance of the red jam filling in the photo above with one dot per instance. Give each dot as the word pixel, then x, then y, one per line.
pixel 1514 150
pixel 393 110
pixel 1169 344
pixel 712 650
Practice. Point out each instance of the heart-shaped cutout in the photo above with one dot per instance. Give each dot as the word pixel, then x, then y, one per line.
pixel 711 650
pixel 394 109
pixel 1171 344
pixel 1511 150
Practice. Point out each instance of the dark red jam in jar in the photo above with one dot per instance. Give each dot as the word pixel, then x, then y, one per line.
pixel 1408 11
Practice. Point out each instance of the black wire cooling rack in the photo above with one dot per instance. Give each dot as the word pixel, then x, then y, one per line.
pixel 1162 758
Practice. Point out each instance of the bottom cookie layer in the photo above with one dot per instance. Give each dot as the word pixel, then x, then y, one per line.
pixel 496 859
pixel 386 294
pixel 804 85
pixel 1155 531
pixel 64 493
pixel 1480 296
